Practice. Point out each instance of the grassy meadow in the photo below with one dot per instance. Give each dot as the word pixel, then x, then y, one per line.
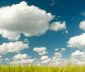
pixel 42 69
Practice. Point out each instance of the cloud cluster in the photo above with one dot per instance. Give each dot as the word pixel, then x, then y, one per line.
pixel 22 18
pixel 78 57
pixel 77 41
pixel 45 60
pixel 29 20
pixel 20 56
pixel 33 21
pixel 40 50
pixel 57 26
pixel 12 47
pixel 82 25
pixel 21 59
pixel 60 49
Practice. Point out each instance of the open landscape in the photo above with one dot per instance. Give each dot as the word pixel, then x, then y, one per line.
pixel 42 68
pixel 42 35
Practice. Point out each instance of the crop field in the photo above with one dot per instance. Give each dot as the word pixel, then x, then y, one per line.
pixel 42 69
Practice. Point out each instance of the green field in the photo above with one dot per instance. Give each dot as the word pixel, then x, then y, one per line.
pixel 42 69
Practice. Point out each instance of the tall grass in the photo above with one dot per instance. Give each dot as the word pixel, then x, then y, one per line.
pixel 42 69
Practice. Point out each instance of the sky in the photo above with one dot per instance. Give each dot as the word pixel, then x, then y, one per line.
pixel 42 32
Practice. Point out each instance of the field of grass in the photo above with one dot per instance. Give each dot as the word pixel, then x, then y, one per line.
pixel 42 69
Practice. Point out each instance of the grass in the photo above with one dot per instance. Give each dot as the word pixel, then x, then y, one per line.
pixel 42 69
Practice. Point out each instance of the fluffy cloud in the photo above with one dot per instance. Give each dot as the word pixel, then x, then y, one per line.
pixel 60 49
pixel 44 57
pixel 21 59
pixel 12 47
pixel 78 57
pixel 20 56
pixel 77 41
pixel 57 59
pixel 63 49
pixel 22 18
pixel 77 53
pixel 56 49
pixel 45 60
pixel 22 62
pixel 82 25
pixel 8 34
pixel 57 26
pixel 40 50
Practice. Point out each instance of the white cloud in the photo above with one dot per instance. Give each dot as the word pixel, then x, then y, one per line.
pixel 57 59
pixel 78 57
pixel 77 53
pixel 21 59
pixel 57 26
pixel 8 34
pixel 22 18
pixel 66 31
pixel 57 55
pixel 56 49
pixel 60 49
pixel 44 57
pixel 12 47
pixel 82 25
pixel 45 60
pixel 77 41
pixel 22 62
pixel 40 50
pixel 63 49
pixel 20 56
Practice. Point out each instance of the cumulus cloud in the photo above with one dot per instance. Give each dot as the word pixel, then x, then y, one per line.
pixel 20 56
pixel 45 60
pixel 77 53
pixel 60 49
pixel 22 18
pixel 12 47
pixel 22 62
pixel 77 41
pixel 57 59
pixel 82 25
pixel 57 26
pixel 44 57
pixel 56 49
pixel 8 34
pixel 40 50
pixel 21 59
pixel 63 49
pixel 78 57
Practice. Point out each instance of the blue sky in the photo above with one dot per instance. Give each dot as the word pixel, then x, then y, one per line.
pixel 67 27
